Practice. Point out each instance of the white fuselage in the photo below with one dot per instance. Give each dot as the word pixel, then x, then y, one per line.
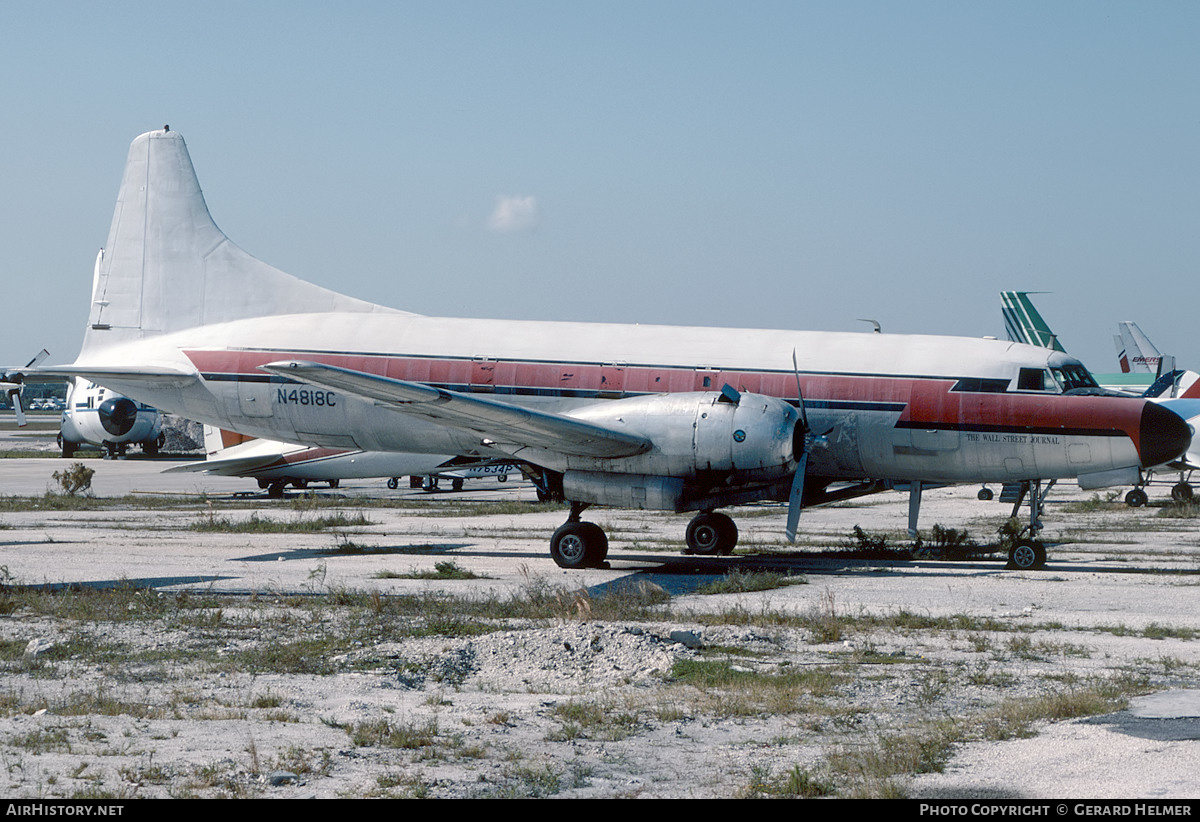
pixel 901 407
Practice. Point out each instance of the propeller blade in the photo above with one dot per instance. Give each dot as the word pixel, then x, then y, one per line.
pixel 37 360
pixel 800 394
pixel 796 498
pixel 18 409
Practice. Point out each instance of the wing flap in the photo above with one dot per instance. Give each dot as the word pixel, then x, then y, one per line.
pixel 491 419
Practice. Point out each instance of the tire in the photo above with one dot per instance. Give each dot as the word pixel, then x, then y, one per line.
pixel 1136 498
pixel 984 494
pixel 1182 492
pixel 711 534
pixel 1027 555
pixel 578 545
pixel 393 483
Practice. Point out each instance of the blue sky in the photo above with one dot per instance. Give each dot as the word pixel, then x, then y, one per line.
pixel 765 164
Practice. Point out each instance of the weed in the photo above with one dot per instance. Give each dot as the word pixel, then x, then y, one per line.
pixel 741 582
pixel 383 733
pixel 796 783
pixel 75 479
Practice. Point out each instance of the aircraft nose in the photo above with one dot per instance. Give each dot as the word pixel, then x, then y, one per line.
pixel 118 416
pixel 1163 435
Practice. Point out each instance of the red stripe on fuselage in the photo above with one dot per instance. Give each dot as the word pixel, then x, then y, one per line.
pixel 928 399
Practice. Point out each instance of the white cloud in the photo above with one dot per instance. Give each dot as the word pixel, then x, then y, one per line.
pixel 513 214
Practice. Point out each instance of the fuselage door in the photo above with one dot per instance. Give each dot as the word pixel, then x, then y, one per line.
pixel 254 396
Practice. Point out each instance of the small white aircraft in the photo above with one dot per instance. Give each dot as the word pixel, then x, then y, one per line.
pixel 12 385
pixel 641 416
pixel 276 465
pixel 98 416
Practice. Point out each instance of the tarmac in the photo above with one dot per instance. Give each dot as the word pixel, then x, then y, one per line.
pixel 1150 751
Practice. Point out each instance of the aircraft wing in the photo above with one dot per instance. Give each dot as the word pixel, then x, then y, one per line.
pixel 500 422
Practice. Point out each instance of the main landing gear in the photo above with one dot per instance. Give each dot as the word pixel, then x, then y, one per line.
pixel 1028 553
pixel 579 544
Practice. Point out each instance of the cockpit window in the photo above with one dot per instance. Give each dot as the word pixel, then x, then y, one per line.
pixel 1065 378
pixel 1031 379
pixel 1074 377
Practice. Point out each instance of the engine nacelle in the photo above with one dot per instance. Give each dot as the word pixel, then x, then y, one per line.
pixel 728 437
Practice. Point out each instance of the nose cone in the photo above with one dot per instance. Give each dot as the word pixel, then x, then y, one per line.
pixel 119 414
pixel 1163 435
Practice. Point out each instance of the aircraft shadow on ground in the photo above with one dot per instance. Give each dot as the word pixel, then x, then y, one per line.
pixel 423 549
pixel 138 583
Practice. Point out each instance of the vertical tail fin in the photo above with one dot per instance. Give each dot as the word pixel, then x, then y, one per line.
pixel 1140 354
pixel 1023 322
pixel 167 266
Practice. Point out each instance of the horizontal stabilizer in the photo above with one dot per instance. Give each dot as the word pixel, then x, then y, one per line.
pixel 491 419
pixel 160 377
pixel 229 467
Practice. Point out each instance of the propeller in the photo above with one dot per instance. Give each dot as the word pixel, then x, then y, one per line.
pixel 796 496
pixel 14 383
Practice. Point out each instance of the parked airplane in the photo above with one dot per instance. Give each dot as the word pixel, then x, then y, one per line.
pixel 276 465
pixel 674 418
pixel 1177 389
pixel 12 385
pixel 1140 359
pixel 98 416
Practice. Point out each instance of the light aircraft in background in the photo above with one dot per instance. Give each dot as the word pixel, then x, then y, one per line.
pixel 276 465
pixel 12 385
pixel 1139 358
pixel 98 416
pixel 638 416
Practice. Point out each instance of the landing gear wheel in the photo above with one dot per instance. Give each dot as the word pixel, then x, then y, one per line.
pixel 984 494
pixel 1136 498
pixel 393 483
pixel 457 485
pixel 275 489
pixel 710 534
pixel 1027 555
pixel 579 545
pixel 1182 492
